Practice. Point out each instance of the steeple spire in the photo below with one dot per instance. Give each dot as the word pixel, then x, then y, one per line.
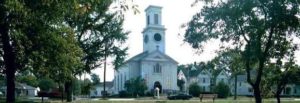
pixel 154 32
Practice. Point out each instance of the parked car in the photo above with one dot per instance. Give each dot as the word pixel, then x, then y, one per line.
pixel 180 96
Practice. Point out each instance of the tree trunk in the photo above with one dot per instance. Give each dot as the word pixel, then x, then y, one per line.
pixel 9 59
pixel 68 90
pixel 257 94
pixel 62 93
pixel 278 97
pixel 235 87
pixel 42 99
pixel 10 77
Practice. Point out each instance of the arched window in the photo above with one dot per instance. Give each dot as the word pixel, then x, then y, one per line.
pixel 148 20
pixel 155 18
pixel 157 68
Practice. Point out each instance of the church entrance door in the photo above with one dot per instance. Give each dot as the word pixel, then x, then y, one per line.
pixel 158 85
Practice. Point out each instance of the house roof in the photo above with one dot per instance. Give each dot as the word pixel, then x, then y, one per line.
pixel 21 86
pixel 205 71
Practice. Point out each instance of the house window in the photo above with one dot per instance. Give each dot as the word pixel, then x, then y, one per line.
pixel 203 80
pixel 222 80
pixel 124 78
pixel 121 81
pixel 250 90
pixel 118 86
pixel 148 20
pixel 288 90
pixel 157 68
pixel 295 91
pixel 156 18
pixel 240 84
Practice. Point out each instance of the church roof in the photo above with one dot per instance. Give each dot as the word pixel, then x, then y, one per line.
pixel 144 55
pixel 138 57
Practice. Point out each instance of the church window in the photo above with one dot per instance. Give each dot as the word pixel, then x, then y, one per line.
pixel 121 82
pixel 148 20
pixel 146 39
pixel 124 78
pixel 157 68
pixel 118 82
pixel 156 18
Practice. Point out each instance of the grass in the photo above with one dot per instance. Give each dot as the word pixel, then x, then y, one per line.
pixel 194 100
pixel 147 100
pixel 179 101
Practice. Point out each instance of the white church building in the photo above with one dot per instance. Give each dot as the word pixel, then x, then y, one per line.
pixel 153 64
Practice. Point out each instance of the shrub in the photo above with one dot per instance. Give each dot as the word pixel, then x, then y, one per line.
pixel 194 89
pixel 222 90
pixel 149 94
pixel 124 94
pixel 136 86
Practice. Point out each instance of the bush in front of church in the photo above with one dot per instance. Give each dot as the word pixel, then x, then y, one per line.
pixel 194 89
pixel 136 86
pixel 222 90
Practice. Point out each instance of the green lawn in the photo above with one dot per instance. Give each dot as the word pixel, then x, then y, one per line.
pixel 180 101
pixel 149 100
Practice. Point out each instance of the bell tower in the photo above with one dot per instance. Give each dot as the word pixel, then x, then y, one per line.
pixel 154 32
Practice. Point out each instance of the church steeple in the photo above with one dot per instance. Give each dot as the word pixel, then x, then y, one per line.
pixel 154 32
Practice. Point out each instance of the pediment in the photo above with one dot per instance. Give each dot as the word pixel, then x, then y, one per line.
pixel 158 56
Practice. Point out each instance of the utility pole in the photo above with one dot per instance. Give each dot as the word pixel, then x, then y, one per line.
pixel 104 83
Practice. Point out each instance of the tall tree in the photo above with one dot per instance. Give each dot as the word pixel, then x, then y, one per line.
pixel 24 27
pixel 253 26
pixel 281 71
pixel 99 32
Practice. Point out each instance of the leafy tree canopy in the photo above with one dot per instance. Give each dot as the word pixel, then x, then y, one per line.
pixel 261 29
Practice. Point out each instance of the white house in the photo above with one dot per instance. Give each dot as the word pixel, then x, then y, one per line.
pixel 204 80
pixel 153 64
pixel 22 90
pixel 291 90
pixel 243 87
pixel 222 77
